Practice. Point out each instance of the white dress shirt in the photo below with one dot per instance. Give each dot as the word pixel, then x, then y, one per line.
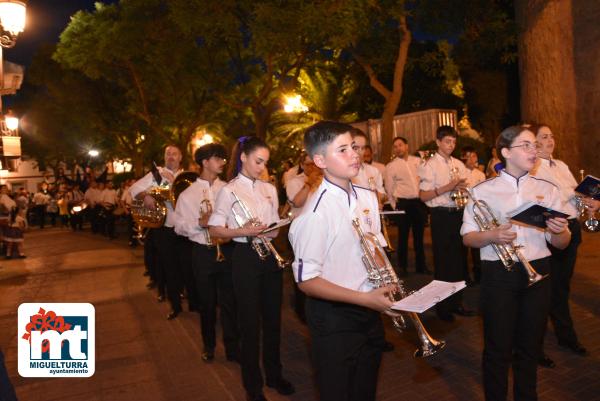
pixel 558 173
pixel 369 177
pixel 92 196
pixel 109 196
pixel 401 178
pixel 188 208
pixel 259 196
pixel 505 193
pixel 474 177
pixel 324 241
pixel 379 166
pixel 147 182
pixel 434 173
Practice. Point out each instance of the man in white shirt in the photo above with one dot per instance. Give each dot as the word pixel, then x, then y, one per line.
pixel 108 202
pixel 440 176
pixel 368 158
pixel 162 239
pixel 402 187
pixel 91 197
pixel 40 201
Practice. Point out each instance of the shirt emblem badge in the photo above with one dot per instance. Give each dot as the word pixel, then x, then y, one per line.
pixel 367 218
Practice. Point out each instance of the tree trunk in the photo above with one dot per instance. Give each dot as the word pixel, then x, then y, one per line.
pixel 559 57
pixel 261 121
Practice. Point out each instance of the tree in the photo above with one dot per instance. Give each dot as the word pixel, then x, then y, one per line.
pixel 160 70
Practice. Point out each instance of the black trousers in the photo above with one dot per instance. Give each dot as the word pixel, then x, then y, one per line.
pixel 415 218
pixel 40 214
pixel 347 343
pixel 186 274
pixel 168 269
pixel 214 284
pixel 514 317
pixel 258 287
pixel 448 252
pixel 7 392
pixel 563 265
pixel 151 256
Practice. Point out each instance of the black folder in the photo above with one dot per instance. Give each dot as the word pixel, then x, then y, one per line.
pixel 535 215
pixel 590 186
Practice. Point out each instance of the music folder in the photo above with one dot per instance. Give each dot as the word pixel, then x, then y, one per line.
pixel 590 186
pixel 533 214
pixel 423 299
pixel 276 225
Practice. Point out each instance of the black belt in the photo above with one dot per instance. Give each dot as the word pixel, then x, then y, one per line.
pixel 449 209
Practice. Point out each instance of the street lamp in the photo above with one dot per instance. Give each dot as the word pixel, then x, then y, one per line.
pixel 11 121
pixel 293 104
pixel 12 22
pixel 93 153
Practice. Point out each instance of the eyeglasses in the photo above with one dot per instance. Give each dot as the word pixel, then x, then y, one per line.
pixel 527 146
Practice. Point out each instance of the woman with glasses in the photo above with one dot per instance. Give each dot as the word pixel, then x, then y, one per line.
pixel 514 314
pixel 563 260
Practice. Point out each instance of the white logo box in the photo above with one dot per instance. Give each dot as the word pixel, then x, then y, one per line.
pixel 78 361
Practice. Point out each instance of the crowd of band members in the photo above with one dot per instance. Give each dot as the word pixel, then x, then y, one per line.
pixel 247 289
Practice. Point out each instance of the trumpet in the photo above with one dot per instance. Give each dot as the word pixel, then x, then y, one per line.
pixel 459 196
pixel 206 210
pixel 262 246
pixel 587 219
pixel 486 220
pixel 380 273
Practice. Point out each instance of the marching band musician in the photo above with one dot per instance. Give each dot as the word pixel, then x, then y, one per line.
pixel 368 176
pixel 402 187
pixel 108 201
pixel 257 282
pixel 563 260
pixel 163 239
pixel 342 308
pixel 212 278
pixel 440 175
pixel 514 314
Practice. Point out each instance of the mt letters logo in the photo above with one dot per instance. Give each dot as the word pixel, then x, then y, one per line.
pixel 57 340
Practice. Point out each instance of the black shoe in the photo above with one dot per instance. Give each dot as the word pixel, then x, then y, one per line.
pixel 282 386
pixel 208 356
pixel 24 256
pixel 160 298
pixel 172 315
pixel 546 362
pixel 256 397
pixel 574 346
pixel 194 308
pixel 464 312
pixel 7 257
pixel 388 347
pixel 446 316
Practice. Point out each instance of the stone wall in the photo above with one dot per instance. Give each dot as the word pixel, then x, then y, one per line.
pixel 559 67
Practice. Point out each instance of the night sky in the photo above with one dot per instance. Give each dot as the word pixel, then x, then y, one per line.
pixel 46 19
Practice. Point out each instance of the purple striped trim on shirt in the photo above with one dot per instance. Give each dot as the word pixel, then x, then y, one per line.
pixel 319 200
pixel 300 266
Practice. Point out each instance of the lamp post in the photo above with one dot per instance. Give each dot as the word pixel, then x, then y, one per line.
pixel 12 23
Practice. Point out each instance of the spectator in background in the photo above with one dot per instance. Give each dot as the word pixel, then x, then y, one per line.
pixel 368 158
pixel 13 235
pixel 40 203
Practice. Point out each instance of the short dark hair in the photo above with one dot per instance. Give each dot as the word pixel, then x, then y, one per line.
pixel 321 134
pixel 465 150
pixel 368 147
pixel 358 132
pixel 506 139
pixel 209 150
pixel 445 130
pixel 400 138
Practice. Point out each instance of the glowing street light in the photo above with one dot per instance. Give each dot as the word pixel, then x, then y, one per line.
pixel 93 153
pixel 12 121
pixel 293 104
pixel 12 19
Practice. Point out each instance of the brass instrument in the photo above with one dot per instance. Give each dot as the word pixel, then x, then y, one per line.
pixel 181 183
pixel 382 218
pixel 152 217
pixel 459 196
pixel 380 273
pixel 486 220
pixel 206 210
pixel 262 246
pixel 587 219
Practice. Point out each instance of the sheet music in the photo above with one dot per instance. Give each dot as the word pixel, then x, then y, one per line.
pixel 426 297
pixel 391 212
pixel 276 225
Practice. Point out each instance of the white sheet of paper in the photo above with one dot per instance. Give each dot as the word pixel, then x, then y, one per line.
pixel 426 297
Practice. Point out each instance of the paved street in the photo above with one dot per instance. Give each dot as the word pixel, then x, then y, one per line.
pixel 142 356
